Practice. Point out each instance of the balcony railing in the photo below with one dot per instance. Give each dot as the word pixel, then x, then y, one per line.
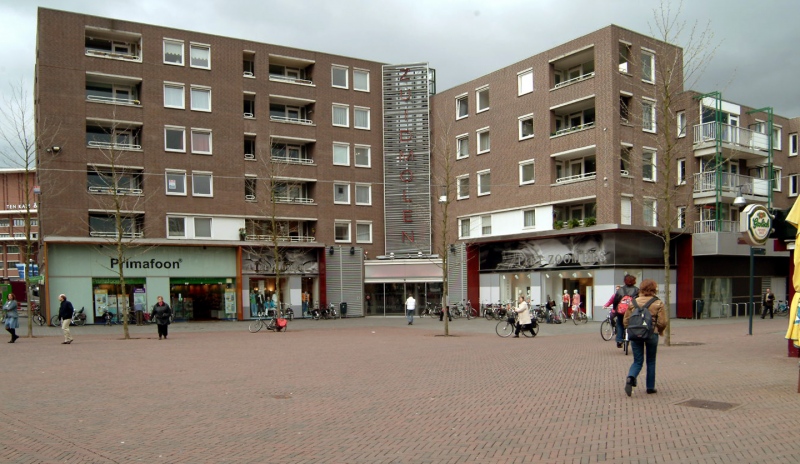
pixel 113 146
pixel 282 199
pixel 574 80
pixel 290 160
pixel 567 130
pixel 707 182
pixel 305 122
pixel 576 178
pixel 712 226
pixel 109 54
pixel 114 100
pixel 102 234
pixel 291 80
pixel 735 135
pixel 119 191
pixel 282 238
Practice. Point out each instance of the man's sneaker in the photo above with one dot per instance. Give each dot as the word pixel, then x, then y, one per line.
pixel 619 344
pixel 630 382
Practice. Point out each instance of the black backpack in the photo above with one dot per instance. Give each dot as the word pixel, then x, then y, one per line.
pixel 640 324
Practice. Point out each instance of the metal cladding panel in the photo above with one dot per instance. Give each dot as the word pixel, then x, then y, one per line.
pixel 345 278
pixel 406 158
pixel 457 274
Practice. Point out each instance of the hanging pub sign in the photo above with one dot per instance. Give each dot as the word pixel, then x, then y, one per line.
pixel 755 222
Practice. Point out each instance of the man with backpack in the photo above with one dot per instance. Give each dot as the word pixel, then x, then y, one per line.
pixel 645 321
pixel 623 301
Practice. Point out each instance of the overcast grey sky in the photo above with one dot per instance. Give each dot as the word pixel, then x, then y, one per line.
pixel 756 64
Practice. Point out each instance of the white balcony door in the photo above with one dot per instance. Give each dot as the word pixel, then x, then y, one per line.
pixel 625 212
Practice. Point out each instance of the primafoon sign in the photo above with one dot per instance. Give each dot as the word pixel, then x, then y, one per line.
pixel 755 223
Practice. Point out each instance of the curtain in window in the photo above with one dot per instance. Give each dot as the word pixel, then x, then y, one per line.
pixel 363 232
pixel 173 52
pixel 339 116
pixel 201 99
pixel 362 194
pixel 173 96
pixel 201 142
pixel 362 118
pixel 360 80
pixel 201 184
pixel 202 227
pixel 485 141
pixel 199 57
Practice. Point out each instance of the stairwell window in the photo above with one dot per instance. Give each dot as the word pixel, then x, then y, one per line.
pixel 681 217
pixel 648 115
pixel 681 119
pixel 793 186
pixel 682 171
pixel 649 212
pixel 793 144
pixel 648 66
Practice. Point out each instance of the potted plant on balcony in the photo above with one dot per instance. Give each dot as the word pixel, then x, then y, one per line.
pixel 242 234
pixel 573 223
pixel 558 225
pixel 590 221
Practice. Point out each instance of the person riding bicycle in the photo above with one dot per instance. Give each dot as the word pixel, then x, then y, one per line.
pixel 523 317
pixel 629 289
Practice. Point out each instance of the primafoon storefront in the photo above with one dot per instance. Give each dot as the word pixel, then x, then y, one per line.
pixel 199 284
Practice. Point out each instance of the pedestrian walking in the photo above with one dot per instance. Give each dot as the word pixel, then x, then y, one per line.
pixel 523 317
pixel 12 317
pixel 769 303
pixel 161 312
pixel 65 312
pixel 411 306
pixel 629 289
pixel 646 349
pixel 304 303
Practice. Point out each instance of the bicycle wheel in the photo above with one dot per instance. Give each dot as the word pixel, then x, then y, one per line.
pixel 606 330
pixel 255 326
pixel 54 321
pixel 504 329
pixel 80 321
pixel 38 319
pixel 527 332
pixel 782 313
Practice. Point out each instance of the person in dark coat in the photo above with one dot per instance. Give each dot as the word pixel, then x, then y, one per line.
pixel 161 312
pixel 65 312
pixel 11 323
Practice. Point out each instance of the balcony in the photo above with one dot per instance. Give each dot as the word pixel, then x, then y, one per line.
pixel 109 234
pixel 291 70
pixel 573 117
pixel 573 67
pixel 112 191
pixel 118 45
pixel 737 142
pixel 290 110
pixel 115 90
pixel 754 190
pixel 713 226
pixel 282 238
pixel 293 199
pixel 292 231
pixel 576 178
pixel 291 151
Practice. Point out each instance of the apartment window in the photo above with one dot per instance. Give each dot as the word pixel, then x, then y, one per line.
pixel 793 187
pixel 176 227
pixel 363 232
pixel 462 146
pixel 648 67
pixel 681 119
pixel 341 194
pixel 249 64
pixel 176 182
pixel 484 183
pixel 34 222
pixel 682 171
pixel 486 225
pixel 462 106
pixel 462 187
pixel 173 52
pixel 361 80
pixel 202 184
pixel 777 132
pixel 362 157
pixel 201 141
pixel 249 103
pixel 201 99
pixel 648 115
pixel 529 218
pixel 482 96
pixel 624 58
pixel 525 82
pixel 174 96
pixel 11 249
pixel 200 56
pixel 624 108
pixel 341 115
pixel 776 179
pixel 4 222
pixel 174 139
pixel 363 194
pixel 484 141
pixel 463 228
pixel 250 184
pixel 649 166
pixel 19 222
pixel 526 126
pixel 341 231
pixel 793 144
pixel 341 154
pixel 681 217
pixel 649 213
pixel 105 225
pixel 339 77
pixel 625 160
pixel 361 118
pixel 526 172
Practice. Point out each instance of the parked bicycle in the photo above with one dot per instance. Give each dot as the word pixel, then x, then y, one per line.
pixel 430 310
pixel 782 309
pixel 266 322
pixel 78 318
pixel 38 319
pixel 578 316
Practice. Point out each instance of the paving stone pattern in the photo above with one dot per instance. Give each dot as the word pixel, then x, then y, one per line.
pixel 376 390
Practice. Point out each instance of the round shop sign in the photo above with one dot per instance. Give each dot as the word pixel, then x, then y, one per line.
pixel 756 224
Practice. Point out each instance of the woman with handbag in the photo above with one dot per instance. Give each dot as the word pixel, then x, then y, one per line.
pixel 523 317
pixel 11 323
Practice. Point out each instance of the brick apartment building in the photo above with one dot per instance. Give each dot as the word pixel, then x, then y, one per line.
pixel 208 138
pixel 13 219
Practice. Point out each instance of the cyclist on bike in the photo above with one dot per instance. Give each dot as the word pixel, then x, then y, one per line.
pixel 523 317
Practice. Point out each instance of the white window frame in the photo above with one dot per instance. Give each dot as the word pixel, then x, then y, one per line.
pixel 175 86
pixel 681 172
pixel 174 172
pixel 777 137
pixel 460 195
pixel 486 230
pixel 183 139
pixel 647 102
pixel 463 138
pixel 522 164
pixel 459 98
pixel 169 233
pixel 337 223
pixel 793 184
pixel 346 71
pixel 480 175
pixel 363 109
pixel 210 227
pixel 653 163
pixel 346 147
pixel 210 177
pixel 681 120
pixel 525 82
pixel 199 46
pixel 650 203
pixel 362 187
pixel 198 88
pixel 18 222
pixel 793 144
pixel 522 119
pixel 360 224
pixel 478 93
pixel 777 174
pixel 346 109
pixel 362 72
pixel 210 141
pixel 652 58
pixel 480 133
pixel 529 213
pixel 681 217
pixel 461 224
pixel 356 148
pixel 336 185
pixel 164 51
